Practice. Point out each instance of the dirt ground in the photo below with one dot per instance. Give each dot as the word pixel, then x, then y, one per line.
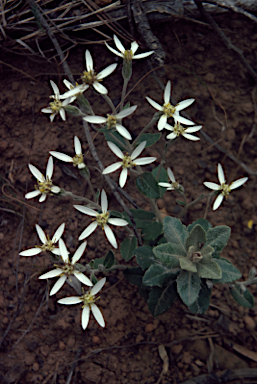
pixel 42 341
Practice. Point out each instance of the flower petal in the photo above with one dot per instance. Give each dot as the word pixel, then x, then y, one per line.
pixel 89 61
pixel 144 160
pixel 138 150
pixel 183 120
pixel 184 104
pixel 118 222
pixel 95 119
pixel 61 156
pixel 110 236
pixel 98 286
pixel 113 147
pixel 88 230
pixel 193 129
pixel 55 189
pixel 162 122
pixel 142 55
pixel 32 194
pixel 167 92
pixel 62 113
pixel 218 201
pixel 118 44
pixel 107 71
pixel 70 300
pixel 123 131
pixel 238 183
pixel 46 110
pixel 82 278
pixel 64 251
pixel 100 88
pixel 51 274
pixel 42 198
pixel 86 210
pixel 171 175
pixel 113 50
pixel 55 88
pixel 171 136
pixel 104 201
pixel 134 47
pixel 77 146
pixel 58 233
pixel 123 177
pixel 221 175
pixel 58 285
pixel 50 168
pixel 41 234
pixel 112 168
pixel 213 186
pixel 35 172
pixel 154 104
pixel 79 252
pixel 190 137
pixel 85 317
pixel 31 252
pixel 166 185
pixel 126 112
pixel 97 315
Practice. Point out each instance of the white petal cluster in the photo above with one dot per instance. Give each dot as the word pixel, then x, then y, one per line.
pixel 169 110
pixel 77 160
pixel 57 106
pixel 78 89
pixel 113 121
pixel 101 219
pixel 173 185
pixel 178 130
pixel 128 54
pixel 47 243
pixel 88 299
pixel 44 184
pixel 128 161
pixel 67 269
pixel 224 188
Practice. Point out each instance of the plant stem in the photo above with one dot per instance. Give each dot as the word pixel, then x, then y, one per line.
pixel 81 198
pixel 110 103
pixel 149 125
pixel 124 89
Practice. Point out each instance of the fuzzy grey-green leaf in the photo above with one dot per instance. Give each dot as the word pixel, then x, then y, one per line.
pixel 188 286
pixel 209 271
pixel 158 275
pixel 196 236
pixel 218 237
pixel 229 272
pixel 187 264
pixel 169 254
pixel 174 231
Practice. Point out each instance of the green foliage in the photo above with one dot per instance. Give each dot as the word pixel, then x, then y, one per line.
pixel 188 286
pixel 109 260
pixel 174 231
pixel 244 298
pixel 127 248
pixel 134 275
pixel 161 299
pixel 229 272
pixel 202 302
pixel 169 254
pixel 163 177
pixel 151 231
pixel 218 237
pixel 205 224
pixel 158 275
pixel 115 134
pixel 197 235
pixel 147 184
pixel 145 256
pixel 150 138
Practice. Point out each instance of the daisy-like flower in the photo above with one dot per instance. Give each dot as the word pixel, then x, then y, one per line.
pixel 127 54
pixel 224 188
pixel 169 110
pixel 68 268
pixel 90 77
pixel 101 219
pixel 113 121
pixel 77 160
pixel 57 106
pixel 88 299
pixel 44 185
pixel 178 130
pixel 128 161
pixel 80 88
pixel 174 185
pixel 47 243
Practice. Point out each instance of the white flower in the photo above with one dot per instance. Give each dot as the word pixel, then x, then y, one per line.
pixel 223 187
pixel 169 110
pixel 77 160
pixel 128 161
pixel 48 245
pixel 173 185
pixel 57 106
pixel 78 89
pixel 101 219
pixel 44 184
pixel 88 299
pixel 113 121
pixel 69 268
pixel 128 54
pixel 178 130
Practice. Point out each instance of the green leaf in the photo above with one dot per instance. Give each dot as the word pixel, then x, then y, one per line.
pixel 218 237
pixel 109 259
pixel 163 177
pixel 188 286
pixel 150 138
pixel 243 298
pixel 202 302
pixel 229 272
pixel 134 275
pixel 187 264
pixel 205 224
pixel 147 184
pixel 127 247
pixel 209 270
pixel 181 203
pixel 142 214
pixel 145 256
pixel 206 253
pixel 97 262
pixel 119 138
pixel 159 275
pixel 151 231
pixel 161 299
pixel 196 236
pixel 174 231
pixel 169 254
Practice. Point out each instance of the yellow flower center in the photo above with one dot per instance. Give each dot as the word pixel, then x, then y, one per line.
pixel 225 189
pixel 88 299
pixel 68 269
pixel 44 186
pixel 89 77
pixel 77 159
pixel 168 109
pixel 47 246
pixel 102 219
pixel 111 121
pixel 56 105
pixel 128 55
pixel 127 162
pixel 178 129
pixel 175 185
